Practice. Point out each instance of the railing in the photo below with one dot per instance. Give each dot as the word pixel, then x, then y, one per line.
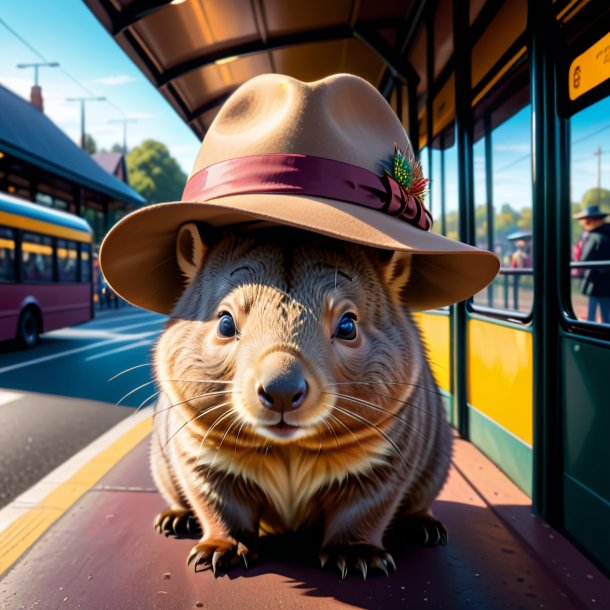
pixel 519 282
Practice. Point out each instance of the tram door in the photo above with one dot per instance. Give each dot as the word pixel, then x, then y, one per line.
pixel 584 275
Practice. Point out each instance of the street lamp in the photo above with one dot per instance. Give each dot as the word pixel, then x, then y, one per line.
pixel 82 101
pixel 124 121
pixel 47 64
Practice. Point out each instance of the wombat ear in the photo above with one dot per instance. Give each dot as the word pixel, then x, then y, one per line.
pixel 189 250
pixel 397 271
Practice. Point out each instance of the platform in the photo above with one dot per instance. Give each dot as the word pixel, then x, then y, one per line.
pixel 103 553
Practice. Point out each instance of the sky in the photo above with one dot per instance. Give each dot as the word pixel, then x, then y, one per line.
pixel 65 31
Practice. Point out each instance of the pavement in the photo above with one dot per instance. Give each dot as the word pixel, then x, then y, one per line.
pixel 60 396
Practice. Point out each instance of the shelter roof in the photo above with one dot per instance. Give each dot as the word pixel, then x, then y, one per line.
pixel 28 134
pixel 197 53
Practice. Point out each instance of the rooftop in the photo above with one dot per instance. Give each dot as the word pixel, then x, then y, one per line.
pixel 29 134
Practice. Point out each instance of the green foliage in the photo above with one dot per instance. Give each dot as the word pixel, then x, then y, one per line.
pixel 507 220
pixel 115 148
pixel 90 144
pixel 596 196
pixel 154 173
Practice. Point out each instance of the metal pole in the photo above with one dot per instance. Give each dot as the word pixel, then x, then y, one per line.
pixel 36 65
pixel 82 101
pixel 489 191
pixel 547 450
pixel 124 122
pixel 83 143
pixel 463 138
pixel 430 98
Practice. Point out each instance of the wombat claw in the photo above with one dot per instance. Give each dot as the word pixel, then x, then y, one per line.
pixel 176 521
pixel 214 554
pixel 426 530
pixel 359 557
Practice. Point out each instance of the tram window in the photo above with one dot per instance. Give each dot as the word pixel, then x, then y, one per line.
pixel 37 258
pixel 85 263
pixel 590 199
pixel 510 208
pixel 443 195
pixel 67 259
pixel 7 255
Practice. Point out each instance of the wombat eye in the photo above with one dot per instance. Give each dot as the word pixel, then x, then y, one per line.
pixel 226 325
pixel 346 329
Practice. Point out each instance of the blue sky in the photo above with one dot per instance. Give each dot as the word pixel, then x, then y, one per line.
pixel 66 31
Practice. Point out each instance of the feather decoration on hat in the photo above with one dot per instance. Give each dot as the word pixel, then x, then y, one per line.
pixel 407 171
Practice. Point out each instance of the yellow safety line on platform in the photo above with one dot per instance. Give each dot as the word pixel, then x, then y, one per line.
pixel 26 530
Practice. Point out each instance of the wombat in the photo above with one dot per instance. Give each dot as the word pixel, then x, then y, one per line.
pixel 296 393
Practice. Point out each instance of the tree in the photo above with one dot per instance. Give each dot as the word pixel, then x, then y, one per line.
pixel 115 148
pixel 154 173
pixel 596 196
pixel 90 144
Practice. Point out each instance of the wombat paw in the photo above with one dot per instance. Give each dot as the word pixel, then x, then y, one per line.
pixel 357 557
pixel 215 553
pixel 176 520
pixel 425 530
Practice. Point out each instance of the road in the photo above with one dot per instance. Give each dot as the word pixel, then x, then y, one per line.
pixel 59 396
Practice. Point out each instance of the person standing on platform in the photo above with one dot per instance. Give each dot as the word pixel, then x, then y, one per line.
pixel 594 245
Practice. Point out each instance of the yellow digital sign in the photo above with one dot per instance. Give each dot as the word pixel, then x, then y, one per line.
pixel 590 69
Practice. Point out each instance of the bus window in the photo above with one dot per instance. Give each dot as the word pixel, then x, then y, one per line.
pixel 590 199
pixel 7 255
pixel 37 258
pixel 508 211
pixel 85 263
pixel 67 259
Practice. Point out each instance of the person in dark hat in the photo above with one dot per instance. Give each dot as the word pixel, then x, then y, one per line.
pixel 594 245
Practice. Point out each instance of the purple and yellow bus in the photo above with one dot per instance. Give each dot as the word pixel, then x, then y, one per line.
pixel 45 270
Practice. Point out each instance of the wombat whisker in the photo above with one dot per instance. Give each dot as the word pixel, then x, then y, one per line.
pixel 198 380
pixel 175 379
pixel 366 455
pixel 137 366
pixel 339 446
pixel 222 440
pixel 411 426
pixel 231 411
pixel 413 385
pixel 204 395
pixel 132 392
pixel 216 421
pixel 400 400
pixel 196 417
pixel 146 400
pixel 243 423
pixel 377 428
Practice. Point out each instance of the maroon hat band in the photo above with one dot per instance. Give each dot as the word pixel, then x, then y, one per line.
pixel 293 174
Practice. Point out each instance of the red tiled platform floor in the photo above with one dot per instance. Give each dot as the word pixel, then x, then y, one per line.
pixel 104 553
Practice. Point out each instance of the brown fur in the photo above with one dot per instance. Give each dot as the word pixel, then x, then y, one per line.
pixel 351 464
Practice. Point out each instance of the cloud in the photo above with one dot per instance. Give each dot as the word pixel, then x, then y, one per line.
pixel 116 80
pixel 517 148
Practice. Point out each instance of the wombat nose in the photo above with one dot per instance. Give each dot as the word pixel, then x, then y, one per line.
pixel 283 392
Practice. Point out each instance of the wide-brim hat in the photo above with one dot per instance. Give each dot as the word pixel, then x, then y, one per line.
pixel 329 157
pixel 591 211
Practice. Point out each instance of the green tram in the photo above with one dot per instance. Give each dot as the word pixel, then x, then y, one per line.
pixel 508 105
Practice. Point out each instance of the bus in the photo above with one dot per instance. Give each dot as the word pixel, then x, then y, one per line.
pixel 45 270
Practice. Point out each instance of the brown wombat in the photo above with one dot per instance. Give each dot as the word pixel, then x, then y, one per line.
pixel 296 394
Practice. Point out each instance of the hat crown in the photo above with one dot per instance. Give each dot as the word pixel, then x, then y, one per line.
pixel 591 211
pixel 341 117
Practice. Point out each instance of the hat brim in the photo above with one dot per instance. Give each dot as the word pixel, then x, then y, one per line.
pixel 582 215
pixel 138 258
